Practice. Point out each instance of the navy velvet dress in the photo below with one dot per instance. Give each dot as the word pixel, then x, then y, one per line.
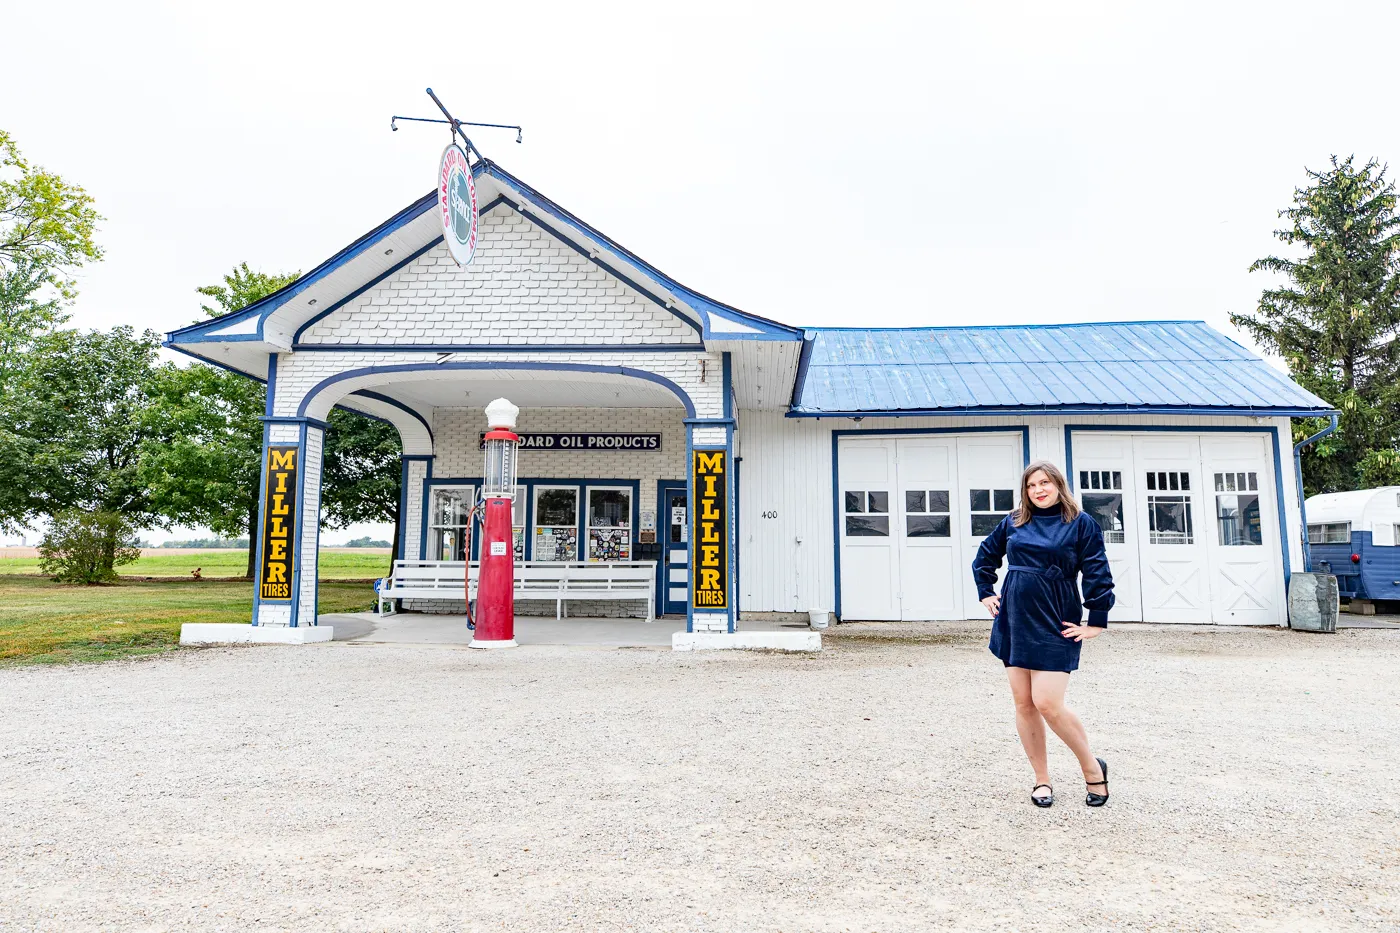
pixel 1043 558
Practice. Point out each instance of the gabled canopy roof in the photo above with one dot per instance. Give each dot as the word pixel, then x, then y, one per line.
pixel 277 321
pixel 1151 366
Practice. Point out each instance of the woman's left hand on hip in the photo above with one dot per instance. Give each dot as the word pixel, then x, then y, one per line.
pixel 1081 632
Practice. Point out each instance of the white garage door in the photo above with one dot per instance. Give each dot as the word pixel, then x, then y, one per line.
pixel 1190 524
pixel 913 511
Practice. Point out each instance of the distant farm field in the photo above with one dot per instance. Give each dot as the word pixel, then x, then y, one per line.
pixel 335 563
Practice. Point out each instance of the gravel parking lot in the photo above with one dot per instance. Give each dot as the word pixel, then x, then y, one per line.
pixel 877 786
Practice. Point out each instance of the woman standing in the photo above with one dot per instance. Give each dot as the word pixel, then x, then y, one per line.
pixel 1048 541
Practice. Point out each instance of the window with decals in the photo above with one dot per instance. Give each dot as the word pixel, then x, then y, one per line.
pixel 926 513
pixel 1237 509
pixel 989 507
pixel 1169 518
pixel 867 513
pixel 609 524
pixel 556 523
pixel 1101 495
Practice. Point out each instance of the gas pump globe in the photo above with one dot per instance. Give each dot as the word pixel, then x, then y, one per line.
pixel 495 589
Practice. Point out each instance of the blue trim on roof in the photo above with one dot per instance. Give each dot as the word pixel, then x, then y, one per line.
pixel 501 348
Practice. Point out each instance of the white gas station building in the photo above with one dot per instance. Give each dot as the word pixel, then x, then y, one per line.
pixel 860 467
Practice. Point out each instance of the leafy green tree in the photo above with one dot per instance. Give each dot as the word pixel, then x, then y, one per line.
pixel 45 222
pixel 1336 319
pixel 76 412
pixel 27 309
pixel 87 547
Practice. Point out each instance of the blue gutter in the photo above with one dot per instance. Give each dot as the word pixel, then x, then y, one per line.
pixel 1298 473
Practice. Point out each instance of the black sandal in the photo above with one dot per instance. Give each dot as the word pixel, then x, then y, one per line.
pixel 1042 801
pixel 1092 799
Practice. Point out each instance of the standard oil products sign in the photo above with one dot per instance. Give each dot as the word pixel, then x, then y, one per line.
pixel 643 442
pixel 279 524
pixel 710 540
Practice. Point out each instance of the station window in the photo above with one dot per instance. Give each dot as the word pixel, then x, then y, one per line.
pixel 556 523
pixel 1101 494
pixel 1237 509
pixel 517 522
pixel 989 507
pixel 609 524
pixel 451 508
pixel 867 514
pixel 1169 519
pixel 926 513
pixel 1330 533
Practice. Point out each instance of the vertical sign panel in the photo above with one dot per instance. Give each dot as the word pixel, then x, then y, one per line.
pixel 279 525
pixel 709 576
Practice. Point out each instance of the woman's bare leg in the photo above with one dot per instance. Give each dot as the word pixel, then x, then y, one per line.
pixel 1048 696
pixel 1029 724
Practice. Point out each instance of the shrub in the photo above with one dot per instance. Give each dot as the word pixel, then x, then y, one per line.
pixel 87 547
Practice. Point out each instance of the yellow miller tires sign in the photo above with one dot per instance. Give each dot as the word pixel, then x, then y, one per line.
pixel 709 588
pixel 279 526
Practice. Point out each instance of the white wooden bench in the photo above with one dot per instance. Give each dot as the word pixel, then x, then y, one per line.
pixel 536 579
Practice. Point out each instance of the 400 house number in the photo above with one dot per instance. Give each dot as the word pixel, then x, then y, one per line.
pixel 771 513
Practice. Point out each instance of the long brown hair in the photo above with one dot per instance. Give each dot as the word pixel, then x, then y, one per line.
pixel 1069 509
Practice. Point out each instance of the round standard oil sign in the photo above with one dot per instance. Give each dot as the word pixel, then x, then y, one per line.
pixel 457 204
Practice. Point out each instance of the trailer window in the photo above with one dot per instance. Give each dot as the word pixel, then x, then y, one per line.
pixel 1330 533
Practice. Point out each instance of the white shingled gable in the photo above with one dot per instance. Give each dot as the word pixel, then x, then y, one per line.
pixel 524 287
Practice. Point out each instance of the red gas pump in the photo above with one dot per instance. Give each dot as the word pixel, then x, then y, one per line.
pixel 495 589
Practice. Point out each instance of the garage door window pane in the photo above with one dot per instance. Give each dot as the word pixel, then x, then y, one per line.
pixel 855 502
pixel 1107 510
pixel 1237 517
pixel 1169 520
pixel 980 500
pixel 880 502
pixel 914 501
pixel 938 500
pixel 1002 500
pixel 930 526
pixel 867 526
pixel 983 525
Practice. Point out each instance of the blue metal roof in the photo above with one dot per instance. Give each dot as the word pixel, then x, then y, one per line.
pixel 1143 367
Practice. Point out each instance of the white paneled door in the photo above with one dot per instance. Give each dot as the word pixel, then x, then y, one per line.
pixel 1243 538
pixel 1171 534
pixel 869 552
pixel 913 510
pixel 1106 484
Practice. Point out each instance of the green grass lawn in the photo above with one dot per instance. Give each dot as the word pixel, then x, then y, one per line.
pixel 42 622
pixel 333 565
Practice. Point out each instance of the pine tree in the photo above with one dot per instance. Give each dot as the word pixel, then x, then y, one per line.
pixel 1336 320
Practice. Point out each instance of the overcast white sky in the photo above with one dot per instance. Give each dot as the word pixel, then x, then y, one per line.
pixel 853 164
